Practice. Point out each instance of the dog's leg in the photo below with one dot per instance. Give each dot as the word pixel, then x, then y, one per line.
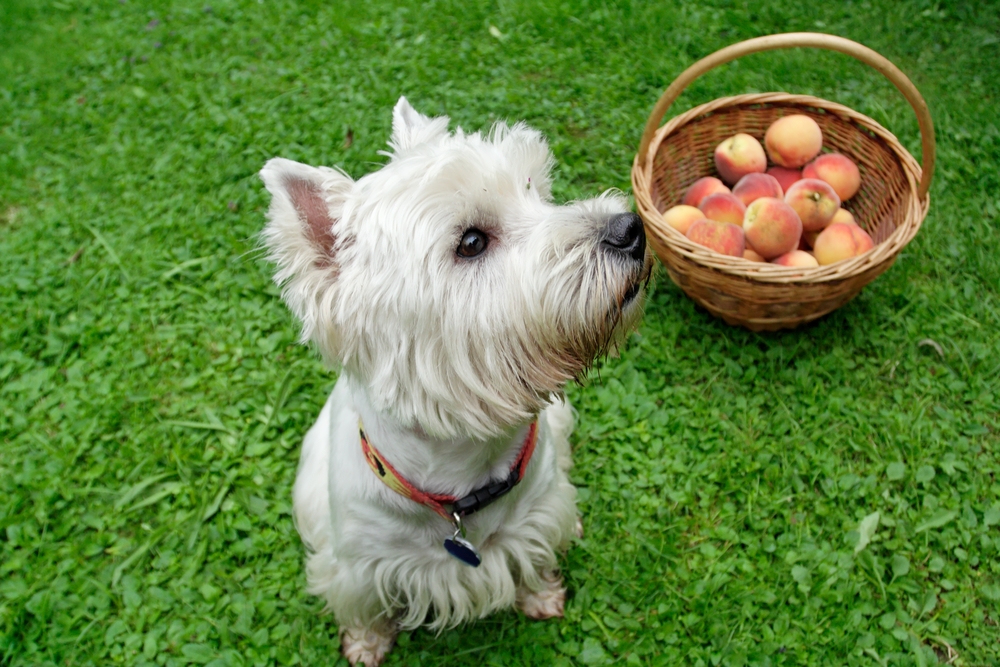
pixel 545 603
pixel 559 417
pixel 368 645
pixel 310 495
pixel 560 422
pixel 548 600
pixel 361 645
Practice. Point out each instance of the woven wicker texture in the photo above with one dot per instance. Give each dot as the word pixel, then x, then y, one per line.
pixel 890 205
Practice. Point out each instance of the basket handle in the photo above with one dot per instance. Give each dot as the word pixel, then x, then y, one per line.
pixel 792 40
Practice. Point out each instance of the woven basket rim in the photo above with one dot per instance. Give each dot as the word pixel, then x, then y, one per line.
pixel 766 272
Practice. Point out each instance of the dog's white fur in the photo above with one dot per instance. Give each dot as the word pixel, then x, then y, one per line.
pixel 447 361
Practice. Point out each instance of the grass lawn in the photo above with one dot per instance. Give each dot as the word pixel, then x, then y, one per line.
pixel 153 396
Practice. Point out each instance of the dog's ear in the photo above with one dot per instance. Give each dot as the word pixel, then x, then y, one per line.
pixel 302 237
pixel 410 128
pixel 305 203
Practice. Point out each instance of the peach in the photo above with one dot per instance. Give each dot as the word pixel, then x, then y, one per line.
pixel 752 255
pixel 680 217
pixel 722 237
pixel 793 141
pixel 772 227
pixel 837 170
pixel 841 241
pixel 843 215
pixel 738 156
pixel 815 201
pixel 785 176
pixel 798 258
pixel 755 186
pixel 723 207
pixel 701 188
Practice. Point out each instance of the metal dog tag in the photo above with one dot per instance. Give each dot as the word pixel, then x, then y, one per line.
pixel 459 547
pixel 463 550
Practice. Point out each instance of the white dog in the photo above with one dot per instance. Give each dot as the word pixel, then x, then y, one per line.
pixel 458 300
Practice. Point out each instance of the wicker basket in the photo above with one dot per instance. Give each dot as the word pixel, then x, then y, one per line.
pixel 890 205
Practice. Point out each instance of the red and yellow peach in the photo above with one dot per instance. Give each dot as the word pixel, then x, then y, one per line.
pixel 754 186
pixel 681 217
pixel 738 156
pixel 723 207
pixel 772 227
pixel 722 237
pixel 794 140
pixel 815 201
pixel 785 176
pixel 709 185
pixel 799 258
pixel 843 215
pixel 841 241
pixel 837 170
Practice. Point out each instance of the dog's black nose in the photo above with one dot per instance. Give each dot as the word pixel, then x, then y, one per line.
pixel 625 234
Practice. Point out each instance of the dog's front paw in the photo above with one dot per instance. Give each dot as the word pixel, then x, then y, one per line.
pixel 366 646
pixel 546 603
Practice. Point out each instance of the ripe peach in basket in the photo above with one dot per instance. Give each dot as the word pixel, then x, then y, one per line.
pixel 798 258
pixel 837 170
pixel 738 156
pixel 701 188
pixel 785 176
pixel 755 186
pixel 723 207
pixel 751 255
pixel 722 237
pixel 815 201
pixel 794 140
pixel 772 227
pixel 840 241
pixel 843 215
pixel 680 217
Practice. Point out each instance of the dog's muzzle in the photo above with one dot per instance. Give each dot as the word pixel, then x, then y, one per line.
pixel 625 235
pixel 624 238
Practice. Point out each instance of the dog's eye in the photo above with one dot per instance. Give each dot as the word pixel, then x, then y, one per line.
pixel 474 242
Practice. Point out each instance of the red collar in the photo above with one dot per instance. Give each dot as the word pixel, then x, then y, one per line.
pixel 445 505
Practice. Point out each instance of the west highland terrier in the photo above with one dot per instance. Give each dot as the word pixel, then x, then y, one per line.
pixel 457 300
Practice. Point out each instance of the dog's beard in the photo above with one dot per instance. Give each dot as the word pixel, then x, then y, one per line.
pixel 611 298
pixel 496 367
pixel 626 299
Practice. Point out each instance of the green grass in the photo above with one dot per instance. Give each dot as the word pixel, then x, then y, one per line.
pixel 152 396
